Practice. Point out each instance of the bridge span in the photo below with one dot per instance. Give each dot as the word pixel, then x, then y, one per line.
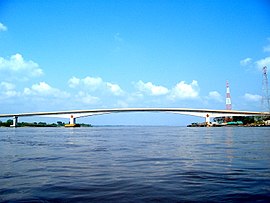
pixel 73 114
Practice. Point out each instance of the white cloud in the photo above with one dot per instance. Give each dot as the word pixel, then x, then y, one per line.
pixel 263 62
pixel 246 61
pixel 8 90
pixel 252 97
pixel 41 89
pixel 27 91
pixel 12 93
pixel 2 27
pixel 44 89
pixel 73 82
pixel 95 84
pixel 185 91
pixel 151 89
pixel 7 85
pixel 92 82
pixel 180 91
pixel 259 64
pixel 114 88
pixel 17 67
pixel 214 95
pixel 86 98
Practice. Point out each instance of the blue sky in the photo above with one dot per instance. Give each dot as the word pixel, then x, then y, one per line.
pixel 63 55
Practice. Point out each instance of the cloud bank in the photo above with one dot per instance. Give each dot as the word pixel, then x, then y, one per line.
pixel 185 91
pixel 252 97
pixel 44 89
pixel 95 84
pixel 180 91
pixel 214 95
pixel 151 89
pixel 17 67
pixel 263 62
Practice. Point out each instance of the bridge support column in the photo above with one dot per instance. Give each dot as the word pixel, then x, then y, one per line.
pixel 72 120
pixel 15 121
pixel 207 120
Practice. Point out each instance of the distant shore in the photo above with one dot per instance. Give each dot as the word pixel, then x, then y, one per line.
pixel 9 123
pixel 228 125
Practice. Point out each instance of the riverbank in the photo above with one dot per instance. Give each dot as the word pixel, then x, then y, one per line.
pixel 9 123
pixel 204 124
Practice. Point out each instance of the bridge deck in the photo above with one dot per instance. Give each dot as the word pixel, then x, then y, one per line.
pixel 119 110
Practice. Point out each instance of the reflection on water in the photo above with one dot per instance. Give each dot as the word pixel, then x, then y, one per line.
pixel 135 164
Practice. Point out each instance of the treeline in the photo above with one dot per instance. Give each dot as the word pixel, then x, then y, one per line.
pixel 9 122
pixel 6 124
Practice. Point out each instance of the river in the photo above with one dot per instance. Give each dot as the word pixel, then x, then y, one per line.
pixel 135 164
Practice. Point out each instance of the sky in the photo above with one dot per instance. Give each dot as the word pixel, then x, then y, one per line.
pixel 66 55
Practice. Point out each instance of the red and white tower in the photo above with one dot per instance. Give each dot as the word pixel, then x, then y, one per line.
pixel 228 97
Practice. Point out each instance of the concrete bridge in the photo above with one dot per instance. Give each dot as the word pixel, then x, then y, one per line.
pixel 73 114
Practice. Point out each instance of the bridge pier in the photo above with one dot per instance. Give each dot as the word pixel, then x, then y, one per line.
pixel 15 121
pixel 72 120
pixel 207 120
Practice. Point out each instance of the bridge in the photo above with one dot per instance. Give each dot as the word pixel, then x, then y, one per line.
pixel 74 114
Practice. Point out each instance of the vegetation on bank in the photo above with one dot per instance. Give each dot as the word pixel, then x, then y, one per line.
pixel 246 120
pixel 9 122
pixel 252 121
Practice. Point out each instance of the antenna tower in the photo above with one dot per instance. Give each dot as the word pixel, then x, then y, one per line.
pixel 265 91
pixel 228 97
